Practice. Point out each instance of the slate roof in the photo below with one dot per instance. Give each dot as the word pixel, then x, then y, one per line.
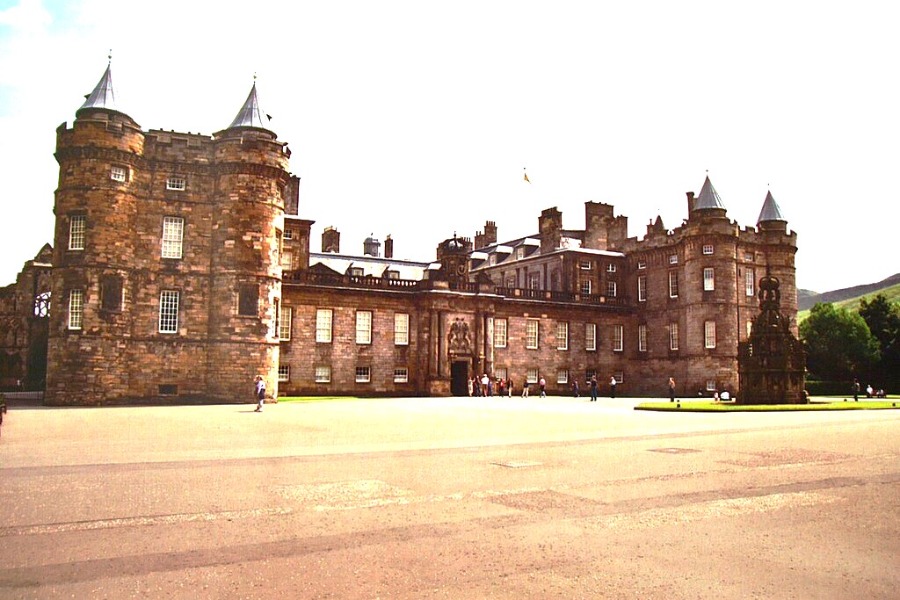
pixel 708 198
pixel 103 95
pixel 770 210
pixel 250 114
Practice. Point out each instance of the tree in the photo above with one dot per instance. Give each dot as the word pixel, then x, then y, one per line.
pixel 839 345
pixel 883 320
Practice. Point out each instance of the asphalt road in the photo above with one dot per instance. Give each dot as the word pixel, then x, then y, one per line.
pixel 448 498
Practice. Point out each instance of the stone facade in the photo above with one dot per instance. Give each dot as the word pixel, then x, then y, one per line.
pixel 181 269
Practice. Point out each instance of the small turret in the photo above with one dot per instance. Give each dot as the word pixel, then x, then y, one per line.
pixel 770 217
pixel 708 203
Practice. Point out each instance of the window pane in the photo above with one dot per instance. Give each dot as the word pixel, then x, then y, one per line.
pixel 673 284
pixel 531 376
pixel 401 329
pixel 642 337
pixel 284 372
pixel 562 376
pixel 284 328
pixel 562 336
pixel 401 375
pixel 618 338
pixel 175 183
pixel 500 333
pixel 709 334
pixel 363 375
pixel 323 374
pixel 590 336
pixel 168 311
pixel 750 282
pixel 709 279
pixel 76 232
pixel 323 325
pixel 531 333
pixel 76 308
pixel 673 336
pixel 173 233
pixel 363 327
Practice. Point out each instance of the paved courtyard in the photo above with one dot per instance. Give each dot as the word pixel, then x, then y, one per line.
pixel 448 498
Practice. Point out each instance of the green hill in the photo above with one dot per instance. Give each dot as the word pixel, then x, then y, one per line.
pixel 891 291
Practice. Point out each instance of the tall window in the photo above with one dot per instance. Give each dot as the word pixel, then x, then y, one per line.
pixel 586 286
pixel 531 333
pixel 500 333
pixel 673 336
pixel 76 309
pixel 284 326
pixel 111 293
pixel 173 234
pixel 287 260
pixel 750 282
pixel 534 281
pixel 618 338
pixel 168 311
pixel 401 329
pixel 709 334
pixel 642 288
pixel 673 284
pixel 611 289
pixel 709 279
pixel 323 325
pixel 642 337
pixel 562 376
pixel 76 232
pixel 248 300
pixel 562 336
pixel 364 327
pixel 590 336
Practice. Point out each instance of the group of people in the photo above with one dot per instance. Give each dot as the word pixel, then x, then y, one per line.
pixel 870 391
pixel 485 386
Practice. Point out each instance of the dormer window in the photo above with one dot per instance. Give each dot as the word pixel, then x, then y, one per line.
pixel 356 272
pixel 520 252
pixel 393 274
pixel 492 259
pixel 176 183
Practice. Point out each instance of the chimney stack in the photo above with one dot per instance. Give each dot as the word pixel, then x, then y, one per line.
pixel 331 240
pixel 388 247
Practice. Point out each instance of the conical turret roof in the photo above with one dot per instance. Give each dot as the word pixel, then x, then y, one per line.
pixel 770 210
pixel 708 198
pixel 103 95
pixel 250 114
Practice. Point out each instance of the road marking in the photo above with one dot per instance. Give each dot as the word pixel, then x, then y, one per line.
pixel 140 521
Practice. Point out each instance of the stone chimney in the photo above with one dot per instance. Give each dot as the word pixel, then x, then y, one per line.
pixel 331 240
pixel 371 246
pixel 388 247
pixel 488 236
pixel 690 201
pixel 550 227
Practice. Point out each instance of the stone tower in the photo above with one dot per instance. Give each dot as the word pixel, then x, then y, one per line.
pixel 166 278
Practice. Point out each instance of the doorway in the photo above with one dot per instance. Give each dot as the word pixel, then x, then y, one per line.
pixel 459 377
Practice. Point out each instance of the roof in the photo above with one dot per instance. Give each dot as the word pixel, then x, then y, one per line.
pixel 250 114
pixel 372 266
pixel 103 95
pixel 708 198
pixel 770 210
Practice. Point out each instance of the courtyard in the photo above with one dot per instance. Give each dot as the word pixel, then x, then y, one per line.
pixel 447 498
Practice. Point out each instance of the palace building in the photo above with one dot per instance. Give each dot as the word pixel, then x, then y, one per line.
pixel 181 268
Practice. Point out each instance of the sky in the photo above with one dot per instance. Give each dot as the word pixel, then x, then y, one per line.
pixel 416 119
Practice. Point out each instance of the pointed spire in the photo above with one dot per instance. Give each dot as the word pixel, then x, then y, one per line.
pixel 708 198
pixel 103 95
pixel 770 210
pixel 250 114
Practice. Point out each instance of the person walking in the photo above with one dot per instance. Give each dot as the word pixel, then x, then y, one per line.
pixel 575 387
pixel 612 386
pixel 525 388
pixel 543 384
pixel 671 389
pixel 856 388
pixel 593 388
pixel 260 393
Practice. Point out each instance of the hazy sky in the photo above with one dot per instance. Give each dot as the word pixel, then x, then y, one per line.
pixel 417 118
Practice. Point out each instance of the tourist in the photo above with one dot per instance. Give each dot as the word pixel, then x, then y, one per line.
pixel 672 389
pixel 471 386
pixel 593 388
pixel 543 384
pixel 260 393
pixel 856 390
pixel 575 388
pixel 485 385
pixel 612 387
pixel 525 389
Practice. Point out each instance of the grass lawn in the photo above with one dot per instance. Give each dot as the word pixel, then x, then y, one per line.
pixel 836 403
